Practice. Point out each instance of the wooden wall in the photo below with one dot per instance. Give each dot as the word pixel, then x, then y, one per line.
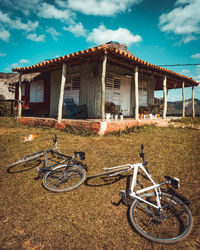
pixel 90 87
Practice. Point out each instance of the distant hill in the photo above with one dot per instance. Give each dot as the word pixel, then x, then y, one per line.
pixel 175 108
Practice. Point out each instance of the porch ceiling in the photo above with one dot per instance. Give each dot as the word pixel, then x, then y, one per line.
pixel 117 54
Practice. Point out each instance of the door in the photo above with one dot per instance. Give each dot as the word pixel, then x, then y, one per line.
pixel 125 95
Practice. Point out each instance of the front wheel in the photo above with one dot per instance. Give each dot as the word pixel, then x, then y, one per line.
pixel 171 225
pixel 64 178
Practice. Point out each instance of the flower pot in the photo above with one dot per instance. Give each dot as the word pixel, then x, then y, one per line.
pixel 121 117
pixel 108 116
pixel 116 117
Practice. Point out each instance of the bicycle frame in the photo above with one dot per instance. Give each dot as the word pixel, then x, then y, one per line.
pixel 135 194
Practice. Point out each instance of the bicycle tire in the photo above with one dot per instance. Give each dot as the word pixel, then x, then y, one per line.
pixel 108 172
pixel 176 221
pixel 60 178
pixel 26 159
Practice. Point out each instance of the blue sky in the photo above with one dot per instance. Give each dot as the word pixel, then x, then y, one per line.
pixel 157 31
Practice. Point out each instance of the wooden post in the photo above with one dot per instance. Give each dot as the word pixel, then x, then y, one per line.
pixel 62 86
pixel 164 96
pixel 19 113
pixel 183 95
pixel 193 109
pixel 103 88
pixel 136 93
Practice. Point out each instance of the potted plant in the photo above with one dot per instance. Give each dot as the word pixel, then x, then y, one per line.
pixel 110 109
pixel 121 115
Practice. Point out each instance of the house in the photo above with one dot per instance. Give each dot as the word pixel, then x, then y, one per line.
pixel 7 92
pixel 92 77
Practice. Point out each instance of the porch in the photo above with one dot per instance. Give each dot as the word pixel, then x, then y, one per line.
pixel 94 125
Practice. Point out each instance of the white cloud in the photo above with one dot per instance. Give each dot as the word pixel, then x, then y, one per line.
pixel 77 29
pixel 53 32
pixel 23 61
pixel 196 56
pixel 185 71
pixel 102 34
pixel 34 37
pixel 4 35
pixel 17 23
pixel 26 7
pixel 2 54
pixel 184 20
pixel 182 2
pixel 101 7
pixel 49 11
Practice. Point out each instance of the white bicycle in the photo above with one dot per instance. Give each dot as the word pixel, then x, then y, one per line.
pixel 161 216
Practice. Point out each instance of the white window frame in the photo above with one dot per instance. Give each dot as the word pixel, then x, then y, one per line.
pixel 113 84
pixel 37 91
pixel 23 89
pixel 142 86
pixel 72 87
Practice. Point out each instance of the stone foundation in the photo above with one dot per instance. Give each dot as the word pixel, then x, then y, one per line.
pixel 96 126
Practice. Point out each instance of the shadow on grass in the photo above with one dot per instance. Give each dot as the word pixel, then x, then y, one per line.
pixel 102 181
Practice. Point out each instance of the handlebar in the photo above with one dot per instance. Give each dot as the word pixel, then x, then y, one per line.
pixel 55 139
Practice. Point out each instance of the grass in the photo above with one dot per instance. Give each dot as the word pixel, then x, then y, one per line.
pixel 86 218
pixel 188 121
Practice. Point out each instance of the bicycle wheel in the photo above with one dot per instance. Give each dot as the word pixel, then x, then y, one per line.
pixel 28 162
pixel 171 225
pixel 64 178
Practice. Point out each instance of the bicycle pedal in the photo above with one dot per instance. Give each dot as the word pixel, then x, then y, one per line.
pixel 122 194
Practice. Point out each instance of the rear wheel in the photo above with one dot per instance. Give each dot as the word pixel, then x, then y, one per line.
pixel 28 162
pixel 171 225
pixel 64 178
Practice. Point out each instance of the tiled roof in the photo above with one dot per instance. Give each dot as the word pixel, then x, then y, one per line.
pixel 107 48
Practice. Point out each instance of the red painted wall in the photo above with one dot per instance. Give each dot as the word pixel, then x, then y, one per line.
pixel 39 108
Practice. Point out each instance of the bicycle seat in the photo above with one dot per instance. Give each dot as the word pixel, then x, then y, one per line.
pixel 173 181
pixel 80 154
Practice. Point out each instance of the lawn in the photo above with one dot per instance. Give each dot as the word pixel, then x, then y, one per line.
pixel 87 218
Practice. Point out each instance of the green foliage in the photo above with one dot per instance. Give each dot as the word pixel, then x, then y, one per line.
pixel 79 131
pixel 188 121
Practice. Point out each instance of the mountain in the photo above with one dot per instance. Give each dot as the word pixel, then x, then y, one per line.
pixel 175 108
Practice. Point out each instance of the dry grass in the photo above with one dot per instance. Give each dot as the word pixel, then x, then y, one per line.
pixel 86 218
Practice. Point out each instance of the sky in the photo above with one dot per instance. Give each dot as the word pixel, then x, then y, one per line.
pixel 157 31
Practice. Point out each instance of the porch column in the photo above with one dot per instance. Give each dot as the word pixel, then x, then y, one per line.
pixel 103 88
pixel 136 93
pixel 193 109
pixel 183 95
pixel 19 113
pixel 62 86
pixel 165 96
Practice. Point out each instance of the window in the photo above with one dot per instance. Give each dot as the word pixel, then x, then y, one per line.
pixel 112 89
pixel 37 91
pixel 142 93
pixel 23 89
pixel 72 87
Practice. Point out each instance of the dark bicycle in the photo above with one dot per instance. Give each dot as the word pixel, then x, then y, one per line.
pixel 65 174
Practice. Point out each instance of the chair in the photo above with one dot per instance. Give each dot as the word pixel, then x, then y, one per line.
pixel 74 110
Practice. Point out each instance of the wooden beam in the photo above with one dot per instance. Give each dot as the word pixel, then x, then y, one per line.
pixel 183 95
pixel 193 108
pixel 20 96
pixel 136 93
pixel 164 96
pixel 62 86
pixel 103 88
